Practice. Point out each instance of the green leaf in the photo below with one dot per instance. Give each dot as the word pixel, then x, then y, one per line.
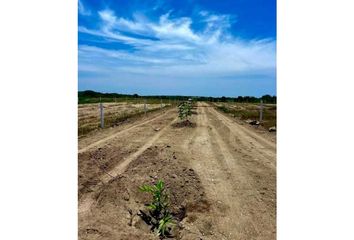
pixel 146 188
pixel 152 207
pixel 164 223
pixel 160 185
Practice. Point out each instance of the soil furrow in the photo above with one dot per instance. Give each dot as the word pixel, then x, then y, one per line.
pixel 264 149
pixel 221 178
pixel 88 200
pixel 107 138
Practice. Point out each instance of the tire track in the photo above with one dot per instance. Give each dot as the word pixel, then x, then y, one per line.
pixel 213 171
pixel 252 144
pixel 259 138
pixel 239 212
pixel 248 194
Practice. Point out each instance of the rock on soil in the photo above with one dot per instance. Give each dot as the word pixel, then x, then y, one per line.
pixel 252 122
pixel 272 129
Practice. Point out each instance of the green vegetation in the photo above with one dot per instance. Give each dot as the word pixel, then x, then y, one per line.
pixel 85 97
pixel 95 97
pixel 159 215
pixel 184 111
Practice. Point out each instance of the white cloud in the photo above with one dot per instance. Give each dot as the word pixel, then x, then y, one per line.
pixel 166 28
pixel 170 47
pixel 83 10
pixel 108 18
pixel 120 55
pixel 174 28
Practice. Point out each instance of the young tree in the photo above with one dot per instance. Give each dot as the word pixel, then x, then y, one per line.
pixel 184 111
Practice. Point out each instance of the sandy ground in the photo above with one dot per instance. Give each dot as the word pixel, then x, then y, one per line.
pixel 221 177
pixel 87 111
pixel 246 111
pixel 89 114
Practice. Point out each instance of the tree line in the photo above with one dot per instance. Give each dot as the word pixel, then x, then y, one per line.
pixel 90 96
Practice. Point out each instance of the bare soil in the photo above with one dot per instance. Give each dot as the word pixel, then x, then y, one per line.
pixel 185 123
pixel 221 177
pixel 246 111
pixel 114 114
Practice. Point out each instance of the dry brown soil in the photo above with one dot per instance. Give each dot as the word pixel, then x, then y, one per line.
pixel 220 175
pixel 89 114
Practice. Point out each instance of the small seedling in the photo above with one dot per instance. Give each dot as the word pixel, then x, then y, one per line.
pixel 160 217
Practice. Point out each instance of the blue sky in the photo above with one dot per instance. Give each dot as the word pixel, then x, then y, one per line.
pixel 179 47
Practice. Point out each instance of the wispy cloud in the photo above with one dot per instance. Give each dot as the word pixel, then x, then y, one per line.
pixel 171 47
pixel 83 10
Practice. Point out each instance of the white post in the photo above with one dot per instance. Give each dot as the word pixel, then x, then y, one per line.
pixel 161 102
pixel 145 106
pixel 261 112
pixel 102 115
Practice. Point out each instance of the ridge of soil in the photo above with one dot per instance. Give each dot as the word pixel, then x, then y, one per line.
pixel 221 177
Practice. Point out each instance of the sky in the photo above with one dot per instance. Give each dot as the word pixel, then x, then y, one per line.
pixel 177 47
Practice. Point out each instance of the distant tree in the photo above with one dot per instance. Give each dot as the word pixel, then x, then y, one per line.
pixel 269 99
pixel 239 99
pixel 266 98
pixel 254 99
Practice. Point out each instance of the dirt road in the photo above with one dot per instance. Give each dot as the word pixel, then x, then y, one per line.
pixel 221 176
pixel 238 170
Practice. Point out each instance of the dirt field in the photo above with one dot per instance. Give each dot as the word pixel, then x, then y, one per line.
pixel 89 114
pixel 246 111
pixel 221 177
